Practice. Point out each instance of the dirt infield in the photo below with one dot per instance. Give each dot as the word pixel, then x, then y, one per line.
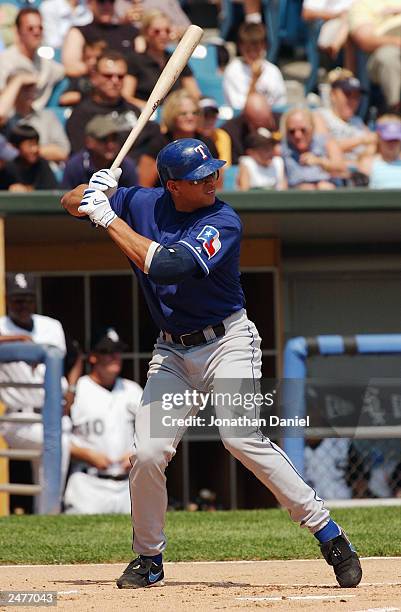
pixel 281 585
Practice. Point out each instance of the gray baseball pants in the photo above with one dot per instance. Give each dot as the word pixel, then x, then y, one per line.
pixel 176 369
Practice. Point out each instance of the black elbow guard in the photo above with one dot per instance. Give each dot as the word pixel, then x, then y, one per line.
pixel 171 265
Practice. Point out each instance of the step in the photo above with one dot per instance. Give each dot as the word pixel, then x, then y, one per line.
pixel 29 417
pixel 20 453
pixel 20 489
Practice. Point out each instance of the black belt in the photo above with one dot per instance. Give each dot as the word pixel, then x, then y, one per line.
pixel 110 477
pixel 35 410
pixel 198 337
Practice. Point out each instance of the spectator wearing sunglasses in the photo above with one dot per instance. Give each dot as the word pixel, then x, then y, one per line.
pixel 24 56
pixel 105 98
pixel 145 68
pixel 104 26
pixel 312 161
pixel 340 120
pixel 133 10
pixel 180 119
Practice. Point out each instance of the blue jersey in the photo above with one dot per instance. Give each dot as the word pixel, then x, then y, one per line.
pixel 211 234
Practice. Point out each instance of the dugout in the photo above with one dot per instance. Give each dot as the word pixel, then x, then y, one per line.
pixel 311 263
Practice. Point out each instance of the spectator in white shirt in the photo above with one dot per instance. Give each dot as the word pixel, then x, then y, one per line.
pixel 251 72
pixel 61 15
pixel 260 167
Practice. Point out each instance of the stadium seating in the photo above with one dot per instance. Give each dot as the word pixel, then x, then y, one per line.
pixel 204 61
pixel 212 86
pixel 57 91
pixel 230 178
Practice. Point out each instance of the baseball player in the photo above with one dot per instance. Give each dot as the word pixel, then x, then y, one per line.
pixel 183 244
pixel 102 417
pixel 23 325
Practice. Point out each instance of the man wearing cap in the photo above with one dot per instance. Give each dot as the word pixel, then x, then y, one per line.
pixel 102 143
pixel 22 324
pixel 339 119
pixel 103 416
pixel 376 28
pixel 207 126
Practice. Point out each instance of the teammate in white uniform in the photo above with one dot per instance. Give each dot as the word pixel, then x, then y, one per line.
pixel 103 415
pixel 183 244
pixel 326 467
pixel 23 325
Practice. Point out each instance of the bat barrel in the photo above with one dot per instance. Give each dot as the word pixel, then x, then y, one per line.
pixel 166 80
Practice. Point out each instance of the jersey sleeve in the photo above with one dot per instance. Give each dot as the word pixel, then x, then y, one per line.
pixel 121 201
pixel 212 241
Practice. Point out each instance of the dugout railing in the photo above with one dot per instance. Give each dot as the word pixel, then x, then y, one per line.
pixel 297 353
pixel 51 417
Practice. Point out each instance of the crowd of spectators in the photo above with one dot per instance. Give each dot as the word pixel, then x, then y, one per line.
pixel 106 56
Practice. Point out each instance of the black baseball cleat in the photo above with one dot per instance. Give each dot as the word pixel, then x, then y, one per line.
pixel 141 573
pixel 340 553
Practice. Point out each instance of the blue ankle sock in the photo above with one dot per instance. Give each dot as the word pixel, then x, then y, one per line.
pixel 156 558
pixel 329 531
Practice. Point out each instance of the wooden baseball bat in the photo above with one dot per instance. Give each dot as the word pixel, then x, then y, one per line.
pixel 166 80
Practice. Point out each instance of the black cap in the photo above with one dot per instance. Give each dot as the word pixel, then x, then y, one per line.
pixel 260 138
pixel 20 284
pixel 109 342
pixel 208 103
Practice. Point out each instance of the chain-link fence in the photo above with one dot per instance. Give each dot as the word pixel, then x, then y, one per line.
pixel 344 468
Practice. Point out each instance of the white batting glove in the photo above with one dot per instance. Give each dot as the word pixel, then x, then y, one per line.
pixel 106 181
pixel 96 205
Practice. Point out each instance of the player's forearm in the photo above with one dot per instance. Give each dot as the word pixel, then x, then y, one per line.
pixel 133 245
pixel 81 453
pixel 72 200
pixel 332 165
pixel 311 15
pixel 54 152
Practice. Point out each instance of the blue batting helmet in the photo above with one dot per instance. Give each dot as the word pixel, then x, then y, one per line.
pixel 188 159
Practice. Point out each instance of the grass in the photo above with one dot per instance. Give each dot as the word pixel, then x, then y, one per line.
pixel 242 534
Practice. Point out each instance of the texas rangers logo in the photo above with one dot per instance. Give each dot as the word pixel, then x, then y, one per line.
pixel 209 237
pixel 201 149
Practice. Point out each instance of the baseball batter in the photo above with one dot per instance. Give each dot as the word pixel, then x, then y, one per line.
pixel 102 417
pixel 184 244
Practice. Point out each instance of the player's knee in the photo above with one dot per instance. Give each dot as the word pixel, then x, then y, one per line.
pixel 152 455
pixel 233 445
